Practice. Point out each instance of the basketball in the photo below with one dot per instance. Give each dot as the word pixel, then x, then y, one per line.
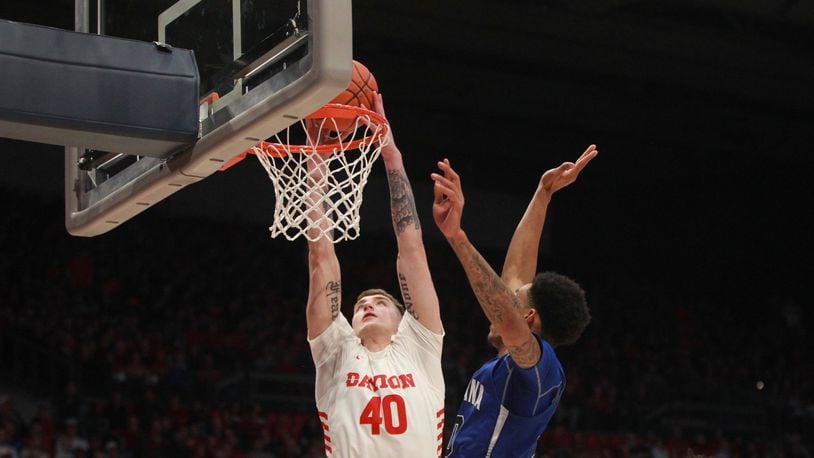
pixel 358 93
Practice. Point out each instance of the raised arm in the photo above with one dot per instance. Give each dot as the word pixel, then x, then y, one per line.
pixel 497 300
pixel 521 257
pixel 324 276
pixel 417 289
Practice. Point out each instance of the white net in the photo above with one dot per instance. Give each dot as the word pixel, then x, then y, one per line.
pixel 318 186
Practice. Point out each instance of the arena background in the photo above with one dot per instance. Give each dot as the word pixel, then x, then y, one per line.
pixel 182 330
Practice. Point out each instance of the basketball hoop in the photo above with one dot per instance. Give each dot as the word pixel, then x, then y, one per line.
pixel 318 183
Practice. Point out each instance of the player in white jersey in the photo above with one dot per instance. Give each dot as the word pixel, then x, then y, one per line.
pixel 512 397
pixel 379 386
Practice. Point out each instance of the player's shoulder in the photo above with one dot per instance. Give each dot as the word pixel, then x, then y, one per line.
pixel 410 326
pixel 338 333
pixel 548 362
pixel 549 368
pixel 548 355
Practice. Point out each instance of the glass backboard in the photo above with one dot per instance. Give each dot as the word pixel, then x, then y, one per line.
pixel 263 64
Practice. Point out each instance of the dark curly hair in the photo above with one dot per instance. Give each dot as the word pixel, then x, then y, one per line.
pixel 560 302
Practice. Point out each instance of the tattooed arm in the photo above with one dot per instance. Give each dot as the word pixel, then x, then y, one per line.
pixel 415 281
pixel 324 279
pixel 498 302
pixel 324 287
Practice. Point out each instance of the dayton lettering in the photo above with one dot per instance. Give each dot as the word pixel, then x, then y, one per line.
pixel 373 383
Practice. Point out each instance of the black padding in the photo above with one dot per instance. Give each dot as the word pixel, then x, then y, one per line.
pixel 98 92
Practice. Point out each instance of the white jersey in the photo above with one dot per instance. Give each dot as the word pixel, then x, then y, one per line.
pixel 380 404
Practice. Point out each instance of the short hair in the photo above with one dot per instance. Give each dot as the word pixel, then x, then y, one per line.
pixel 562 307
pixel 375 291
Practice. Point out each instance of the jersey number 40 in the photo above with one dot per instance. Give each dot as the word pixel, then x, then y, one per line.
pixel 384 410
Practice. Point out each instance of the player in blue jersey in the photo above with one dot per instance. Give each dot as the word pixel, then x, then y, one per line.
pixel 511 398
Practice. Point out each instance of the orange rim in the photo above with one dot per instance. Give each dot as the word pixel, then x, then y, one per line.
pixel 331 110
pixel 337 111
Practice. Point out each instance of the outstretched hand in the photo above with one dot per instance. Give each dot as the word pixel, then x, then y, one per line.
pixel 557 178
pixel 448 204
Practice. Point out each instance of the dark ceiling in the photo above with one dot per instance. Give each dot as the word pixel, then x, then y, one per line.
pixel 702 111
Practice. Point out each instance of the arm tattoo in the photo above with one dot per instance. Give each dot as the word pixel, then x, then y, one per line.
pixel 526 354
pixel 494 297
pixel 402 202
pixel 405 294
pixel 334 289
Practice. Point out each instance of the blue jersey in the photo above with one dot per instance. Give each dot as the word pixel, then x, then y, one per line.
pixel 506 408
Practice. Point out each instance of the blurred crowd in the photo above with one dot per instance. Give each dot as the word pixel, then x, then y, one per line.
pixel 143 328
